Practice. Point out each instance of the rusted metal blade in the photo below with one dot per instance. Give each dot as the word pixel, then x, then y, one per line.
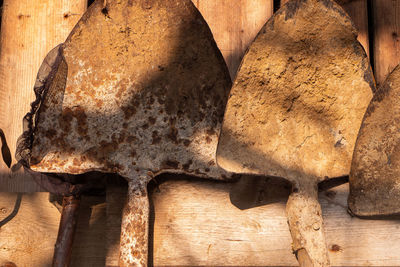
pixel 138 88
pixel 374 177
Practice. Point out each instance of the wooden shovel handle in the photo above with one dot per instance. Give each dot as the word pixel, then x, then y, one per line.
pixel 306 227
pixel 66 231
pixel 135 227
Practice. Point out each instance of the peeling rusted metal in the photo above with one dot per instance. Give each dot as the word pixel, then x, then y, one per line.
pixel 139 88
pixel 295 109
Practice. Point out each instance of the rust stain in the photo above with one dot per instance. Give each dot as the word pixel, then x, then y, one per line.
pixel 186 166
pixel 129 110
pixel 210 131
pixel 131 139
pixel 156 138
pixel 50 133
pixel 99 103
pixel 335 248
pixel 173 132
pixel 152 120
pixel 76 162
pixel 186 142
pixel 171 164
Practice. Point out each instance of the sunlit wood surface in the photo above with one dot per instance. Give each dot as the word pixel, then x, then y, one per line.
pixel 194 222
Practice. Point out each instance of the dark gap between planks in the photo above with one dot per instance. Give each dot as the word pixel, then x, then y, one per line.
pixel 371 34
pixel 1 11
pixel 90 2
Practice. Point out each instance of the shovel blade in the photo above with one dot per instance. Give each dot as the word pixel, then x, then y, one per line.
pixel 375 170
pixel 137 86
pixel 298 100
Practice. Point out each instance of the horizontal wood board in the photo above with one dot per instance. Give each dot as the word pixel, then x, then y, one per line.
pixel 199 223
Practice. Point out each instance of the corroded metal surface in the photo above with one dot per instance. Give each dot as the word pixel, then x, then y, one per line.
pixel 66 231
pixel 126 84
pixel 295 109
pixel 138 88
pixel 374 177
pixel 134 236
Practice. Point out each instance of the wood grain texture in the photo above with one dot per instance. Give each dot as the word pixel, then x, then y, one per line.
pixel 115 198
pixel 234 25
pixel 358 12
pixel 199 223
pixel 386 20
pixel 89 247
pixel 29 30
pixel 28 239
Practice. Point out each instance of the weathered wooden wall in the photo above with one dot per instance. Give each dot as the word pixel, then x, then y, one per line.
pixel 29 30
pixel 234 25
pixel 28 239
pixel 210 223
pixel 199 223
pixel 386 25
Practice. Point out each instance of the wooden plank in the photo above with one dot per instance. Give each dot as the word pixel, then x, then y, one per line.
pixel 29 30
pixel 199 223
pixel 212 231
pixel 358 12
pixel 89 247
pixel 29 238
pixel 115 198
pixel 386 22
pixel 244 224
pixel 234 25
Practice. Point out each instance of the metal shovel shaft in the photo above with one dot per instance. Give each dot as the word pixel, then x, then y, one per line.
pixel 66 231
pixel 135 227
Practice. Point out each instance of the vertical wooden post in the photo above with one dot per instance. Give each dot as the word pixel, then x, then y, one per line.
pixel 116 194
pixel 386 20
pixel 358 12
pixel 241 21
pixel 30 28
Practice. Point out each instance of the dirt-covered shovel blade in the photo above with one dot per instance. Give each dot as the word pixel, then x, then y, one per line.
pixel 375 169
pixel 138 88
pixel 295 109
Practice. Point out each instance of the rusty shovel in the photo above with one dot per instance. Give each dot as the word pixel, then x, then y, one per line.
pixel 295 109
pixel 138 88
pixel 375 168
